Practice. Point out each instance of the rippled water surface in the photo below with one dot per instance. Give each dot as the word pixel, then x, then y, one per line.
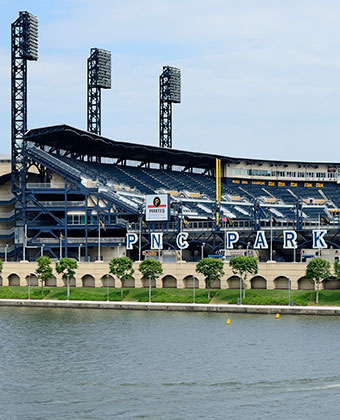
pixel 92 364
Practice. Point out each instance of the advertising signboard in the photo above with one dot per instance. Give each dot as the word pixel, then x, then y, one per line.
pixel 157 208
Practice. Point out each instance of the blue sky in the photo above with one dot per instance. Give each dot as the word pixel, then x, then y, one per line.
pixel 260 78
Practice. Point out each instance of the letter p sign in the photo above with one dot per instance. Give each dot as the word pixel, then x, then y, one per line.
pixel 131 239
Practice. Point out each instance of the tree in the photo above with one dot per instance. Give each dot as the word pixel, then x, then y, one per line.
pixel 318 270
pixel 67 267
pixel 122 268
pixel 43 271
pixel 1 265
pixel 212 269
pixel 151 270
pixel 244 265
pixel 336 267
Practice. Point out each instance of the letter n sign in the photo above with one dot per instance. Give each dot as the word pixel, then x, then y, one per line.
pixel 156 240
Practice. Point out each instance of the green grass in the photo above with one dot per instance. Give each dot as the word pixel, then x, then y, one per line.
pixel 169 295
pixel 253 297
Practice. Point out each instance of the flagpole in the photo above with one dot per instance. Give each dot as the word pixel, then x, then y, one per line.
pixel 140 239
pixel 319 250
pixel 98 238
pixel 25 243
pixel 271 237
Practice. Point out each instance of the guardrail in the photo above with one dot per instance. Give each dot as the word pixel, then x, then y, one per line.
pixel 40 241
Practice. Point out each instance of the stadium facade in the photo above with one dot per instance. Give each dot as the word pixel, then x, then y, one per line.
pixel 76 193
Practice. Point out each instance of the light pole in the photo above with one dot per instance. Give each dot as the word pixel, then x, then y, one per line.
pixel 193 289
pixel 79 252
pixel 6 251
pixel 247 252
pixel 202 250
pixel 68 287
pixel 29 287
pixel 107 287
pixel 149 288
pixel 289 287
pixel 60 248
pixel 42 250
pixel 119 245
pixel 225 242
pixel 241 283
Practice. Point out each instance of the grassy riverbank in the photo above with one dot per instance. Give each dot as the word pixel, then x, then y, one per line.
pixel 253 297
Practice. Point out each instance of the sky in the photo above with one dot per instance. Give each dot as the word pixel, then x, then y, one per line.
pixel 260 78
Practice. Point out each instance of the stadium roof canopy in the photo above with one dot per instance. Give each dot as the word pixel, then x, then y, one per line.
pixel 83 142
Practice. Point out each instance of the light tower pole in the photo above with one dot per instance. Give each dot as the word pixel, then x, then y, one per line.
pixel 169 93
pixel 24 47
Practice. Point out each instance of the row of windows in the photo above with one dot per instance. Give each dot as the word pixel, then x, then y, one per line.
pixel 292 174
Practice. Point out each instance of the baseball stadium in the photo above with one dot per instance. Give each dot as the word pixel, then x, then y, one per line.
pixel 71 192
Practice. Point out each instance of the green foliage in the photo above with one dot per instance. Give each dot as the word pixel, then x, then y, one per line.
pixel 244 265
pixel 212 269
pixel 318 270
pixel 1 265
pixel 336 269
pixel 150 268
pixel 67 267
pixel 44 269
pixel 122 268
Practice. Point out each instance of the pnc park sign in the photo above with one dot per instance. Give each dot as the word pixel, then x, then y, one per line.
pixel 289 240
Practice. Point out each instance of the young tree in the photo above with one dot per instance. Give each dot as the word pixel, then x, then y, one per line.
pixel 151 270
pixel 67 267
pixel 122 268
pixel 244 265
pixel 43 271
pixel 212 269
pixel 337 269
pixel 318 270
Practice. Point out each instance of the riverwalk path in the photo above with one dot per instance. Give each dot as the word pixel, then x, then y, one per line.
pixel 185 307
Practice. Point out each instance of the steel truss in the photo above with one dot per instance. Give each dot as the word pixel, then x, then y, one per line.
pixel 23 48
pixel 98 76
pixel 169 92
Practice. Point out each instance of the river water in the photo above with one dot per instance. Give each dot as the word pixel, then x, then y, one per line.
pixel 100 364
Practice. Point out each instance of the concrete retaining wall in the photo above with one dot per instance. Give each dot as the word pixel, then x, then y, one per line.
pixel 270 276
pixel 184 307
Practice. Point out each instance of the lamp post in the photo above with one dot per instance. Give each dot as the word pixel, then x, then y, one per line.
pixel 60 248
pixel 193 289
pixel 29 286
pixel 247 252
pixel 289 288
pixel 42 250
pixel 107 287
pixel 241 282
pixel 149 288
pixel 79 252
pixel 6 252
pixel 202 250
pixel 68 287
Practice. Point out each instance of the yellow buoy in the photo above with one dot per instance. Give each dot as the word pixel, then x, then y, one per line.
pixel 277 316
pixel 228 321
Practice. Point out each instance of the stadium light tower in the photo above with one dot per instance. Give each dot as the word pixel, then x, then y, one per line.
pixel 24 33
pixel 98 77
pixel 169 93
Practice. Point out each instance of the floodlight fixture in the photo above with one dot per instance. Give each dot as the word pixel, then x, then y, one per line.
pixel 98 77
pixel 169 93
